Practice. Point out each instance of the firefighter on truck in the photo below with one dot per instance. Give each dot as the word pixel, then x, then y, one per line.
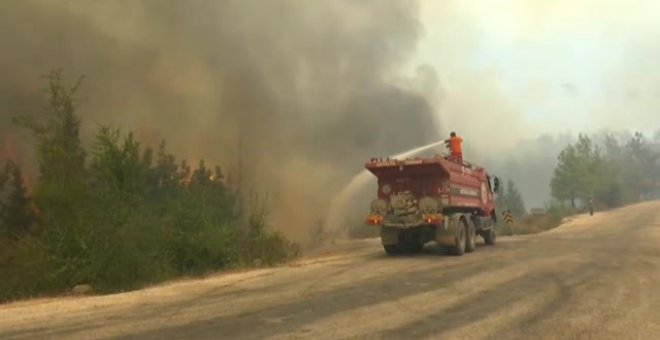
pixel 454 144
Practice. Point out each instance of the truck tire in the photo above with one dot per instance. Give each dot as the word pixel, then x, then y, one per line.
pixel 471 240
pixel 461 238
pixel 392 249
pixel 489 236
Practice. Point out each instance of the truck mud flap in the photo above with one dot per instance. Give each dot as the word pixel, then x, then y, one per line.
pixel 445 234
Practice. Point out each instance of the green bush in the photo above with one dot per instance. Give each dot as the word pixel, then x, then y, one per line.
pixel 25 268
pixel 121 219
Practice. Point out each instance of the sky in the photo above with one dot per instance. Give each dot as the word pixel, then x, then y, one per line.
pixel 548 66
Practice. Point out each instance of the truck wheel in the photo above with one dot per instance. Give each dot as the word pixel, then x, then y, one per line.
pixel 392 249
pixel 490 236
pixel 471 242
pixel 460 240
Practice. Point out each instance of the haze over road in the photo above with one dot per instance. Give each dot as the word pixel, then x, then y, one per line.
pixel 592 278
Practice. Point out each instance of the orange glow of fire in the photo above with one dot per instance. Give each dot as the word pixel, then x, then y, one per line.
pixel 10 153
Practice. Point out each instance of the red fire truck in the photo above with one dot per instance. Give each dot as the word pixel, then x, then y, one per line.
pixel 432 199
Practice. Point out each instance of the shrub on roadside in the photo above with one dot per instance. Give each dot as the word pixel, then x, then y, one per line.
pixel 123 218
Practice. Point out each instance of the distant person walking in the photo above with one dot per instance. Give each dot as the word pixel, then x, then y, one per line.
pixel 454 143
pixel 591 206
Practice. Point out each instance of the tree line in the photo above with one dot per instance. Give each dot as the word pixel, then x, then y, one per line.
pixel 612 173
pixel 119 215
pixel 608 170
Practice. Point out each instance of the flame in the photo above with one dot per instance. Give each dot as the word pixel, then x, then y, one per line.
pixel 10 153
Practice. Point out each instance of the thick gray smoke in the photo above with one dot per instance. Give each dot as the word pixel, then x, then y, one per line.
pixel 303 87
pixel 531 165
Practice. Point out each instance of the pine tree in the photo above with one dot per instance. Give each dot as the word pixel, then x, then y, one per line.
pixel 61 189
pixel 643 160
pixel 564 182
pixel 579 172
pixel 61 156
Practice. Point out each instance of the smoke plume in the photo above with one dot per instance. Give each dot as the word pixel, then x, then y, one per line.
pixel 290 95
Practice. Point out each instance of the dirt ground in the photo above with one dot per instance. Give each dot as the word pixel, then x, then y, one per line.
pixel 595 277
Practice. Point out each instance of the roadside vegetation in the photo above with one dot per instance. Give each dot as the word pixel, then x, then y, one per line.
pixel 615 172
pixel 532 223
pixel 119 215
pixel 509 200
pixel 612 172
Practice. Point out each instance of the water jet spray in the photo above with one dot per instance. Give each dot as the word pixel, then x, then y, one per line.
pixel 337 210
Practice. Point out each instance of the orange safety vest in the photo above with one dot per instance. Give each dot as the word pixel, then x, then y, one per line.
pixel 455 145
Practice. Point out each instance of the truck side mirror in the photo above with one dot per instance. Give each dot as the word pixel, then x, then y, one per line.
pixel 496 185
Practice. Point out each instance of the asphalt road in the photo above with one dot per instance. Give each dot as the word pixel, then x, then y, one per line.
pixel 596 277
